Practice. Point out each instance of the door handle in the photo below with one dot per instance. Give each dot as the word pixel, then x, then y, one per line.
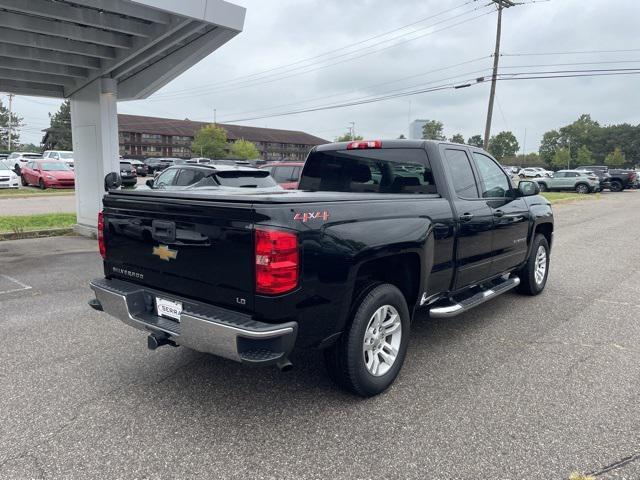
pixel 498 213
pixel 465 217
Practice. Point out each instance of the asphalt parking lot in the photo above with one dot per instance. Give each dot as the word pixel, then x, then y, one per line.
pixel 519 388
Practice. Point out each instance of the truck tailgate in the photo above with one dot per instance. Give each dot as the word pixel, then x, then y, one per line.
pixel 198 249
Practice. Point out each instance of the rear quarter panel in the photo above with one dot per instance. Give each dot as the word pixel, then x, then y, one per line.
pixel 342 238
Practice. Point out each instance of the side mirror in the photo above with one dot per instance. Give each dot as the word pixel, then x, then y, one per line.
pixel 149 183
pixel 112 181
pixel 528 188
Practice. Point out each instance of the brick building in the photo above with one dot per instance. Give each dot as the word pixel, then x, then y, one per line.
pixel 141 136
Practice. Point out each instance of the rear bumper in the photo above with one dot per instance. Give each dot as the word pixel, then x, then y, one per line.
pixel 202 327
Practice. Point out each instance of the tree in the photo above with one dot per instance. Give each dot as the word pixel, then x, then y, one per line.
pixel 59 131
pixel 615 158
pixel 561 159
pixel 432 130
pixel 347 137
pixel 244 149
pixel 504 144
pixel 16 123
pixel 549 146
pixel 457 138
pixel 401 137
pixel 210 141
pixel 476 141
pixel 29 147
pixel 584 156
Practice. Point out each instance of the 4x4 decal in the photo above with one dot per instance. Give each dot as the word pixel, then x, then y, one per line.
pixel 306 216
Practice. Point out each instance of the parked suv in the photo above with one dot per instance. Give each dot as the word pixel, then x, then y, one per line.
pixel 128 174
pixel 534 172
pixel 20 159
pixel 577 180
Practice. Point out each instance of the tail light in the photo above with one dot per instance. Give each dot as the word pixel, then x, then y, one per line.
pixel 277 261
pixel 364 144
pixel 101 245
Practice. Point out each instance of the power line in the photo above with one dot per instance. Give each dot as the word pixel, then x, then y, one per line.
pixel 340 49
pixel 311 68
pixel 472 82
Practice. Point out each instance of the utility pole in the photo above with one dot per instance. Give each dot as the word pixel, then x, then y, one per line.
pixel 494 77
pixel 215 117
pixel 10 114
pixel 353 130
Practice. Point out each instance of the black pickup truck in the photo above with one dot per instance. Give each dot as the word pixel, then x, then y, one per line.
pixel 376 230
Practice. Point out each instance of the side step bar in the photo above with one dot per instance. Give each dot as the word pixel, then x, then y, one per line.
pixel 448 311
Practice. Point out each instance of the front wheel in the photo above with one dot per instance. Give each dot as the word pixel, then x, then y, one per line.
pixel 543 187
pixel 533 276
pixel 41 184
pixel 368 357
pixel 24 181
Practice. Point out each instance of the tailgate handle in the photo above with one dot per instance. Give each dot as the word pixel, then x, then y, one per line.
pixel 163 231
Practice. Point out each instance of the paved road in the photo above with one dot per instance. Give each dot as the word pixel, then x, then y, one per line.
pixel 520 388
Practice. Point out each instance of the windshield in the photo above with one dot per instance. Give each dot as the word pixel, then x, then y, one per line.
pixel 393 170
pixel 5 165
pixel 54 166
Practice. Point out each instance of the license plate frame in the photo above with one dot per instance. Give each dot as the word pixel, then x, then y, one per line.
pixel 168 308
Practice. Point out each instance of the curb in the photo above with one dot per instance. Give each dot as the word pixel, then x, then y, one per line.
pixel 47 232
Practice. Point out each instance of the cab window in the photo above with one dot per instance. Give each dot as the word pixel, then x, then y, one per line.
pixel 496 183
pixel 165 179
pixel 464 181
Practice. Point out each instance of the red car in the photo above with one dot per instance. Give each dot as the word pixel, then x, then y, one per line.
pixel 48 174
pixel 286 174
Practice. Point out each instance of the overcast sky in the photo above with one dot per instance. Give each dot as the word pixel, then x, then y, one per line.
pixel 279 33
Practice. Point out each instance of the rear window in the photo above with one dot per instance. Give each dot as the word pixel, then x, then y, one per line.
pixel 125 166
pixel 393 170
pixel 245 179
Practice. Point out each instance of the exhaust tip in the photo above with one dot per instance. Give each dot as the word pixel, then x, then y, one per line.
pixel 284 365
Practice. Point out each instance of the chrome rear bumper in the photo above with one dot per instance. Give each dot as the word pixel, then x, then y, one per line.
pixel 202 327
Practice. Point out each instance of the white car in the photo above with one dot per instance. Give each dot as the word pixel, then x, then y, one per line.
pixel 8 178
pixel 20 159
pixel 534 172
pixel 65 156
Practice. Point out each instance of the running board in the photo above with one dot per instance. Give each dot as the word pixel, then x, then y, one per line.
pixel 479 298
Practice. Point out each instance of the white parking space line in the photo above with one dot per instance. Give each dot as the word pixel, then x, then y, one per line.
pixel 13 281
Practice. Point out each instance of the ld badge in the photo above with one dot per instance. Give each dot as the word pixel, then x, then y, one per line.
pixel 165 253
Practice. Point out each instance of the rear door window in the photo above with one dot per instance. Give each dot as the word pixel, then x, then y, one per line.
pixel 397 170
pixel 464 181
pixel 189 176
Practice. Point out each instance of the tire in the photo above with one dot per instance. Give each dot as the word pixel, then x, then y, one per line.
pixel 538 175
pixel 615 186
pixel 23 181
pixel 582 188
pixel 530 282
pixel 41 184
pixel 350 362
pixel 543 186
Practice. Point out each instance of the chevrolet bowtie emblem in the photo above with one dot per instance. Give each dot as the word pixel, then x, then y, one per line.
pixel 165 253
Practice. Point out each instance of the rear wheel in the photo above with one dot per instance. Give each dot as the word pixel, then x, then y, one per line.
pixel 615 186
pixel 582 188
pixel 543 186
pixel 370 353
pixel 533 276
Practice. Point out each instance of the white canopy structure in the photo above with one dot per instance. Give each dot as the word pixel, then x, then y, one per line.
pixel 96 52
